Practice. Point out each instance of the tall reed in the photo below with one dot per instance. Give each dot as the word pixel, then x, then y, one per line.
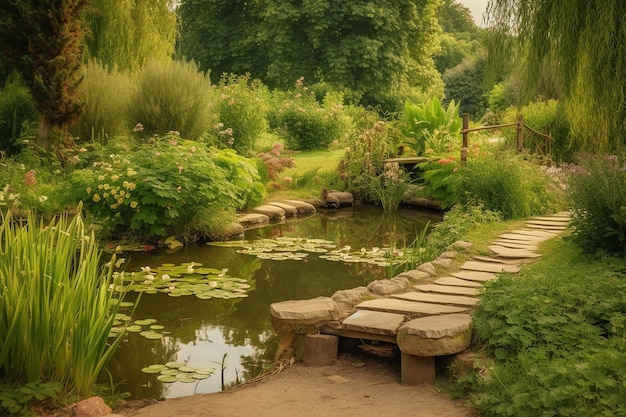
pixel 57 304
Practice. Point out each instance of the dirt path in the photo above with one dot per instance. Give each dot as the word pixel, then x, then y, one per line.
pixel 352 387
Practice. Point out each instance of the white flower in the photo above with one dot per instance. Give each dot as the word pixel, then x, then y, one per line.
pixel 43 198
pixel 149 277
pixel 145 268
pixel 165 277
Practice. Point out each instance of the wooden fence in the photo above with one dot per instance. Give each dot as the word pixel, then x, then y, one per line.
pixel 520 126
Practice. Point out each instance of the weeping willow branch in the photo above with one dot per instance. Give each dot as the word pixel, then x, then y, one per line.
pixel 584 43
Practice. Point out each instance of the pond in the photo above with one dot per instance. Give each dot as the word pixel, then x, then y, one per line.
pixel 234 336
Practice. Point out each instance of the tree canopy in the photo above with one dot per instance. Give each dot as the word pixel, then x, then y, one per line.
pixel 584 43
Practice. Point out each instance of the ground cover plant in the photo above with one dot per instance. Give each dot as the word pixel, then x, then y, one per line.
pixel 556 336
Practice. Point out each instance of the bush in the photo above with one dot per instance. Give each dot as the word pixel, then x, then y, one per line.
pixel 242 112
pixel 304 123
pixel 440 181
pixel 506 184
pixel 158 189
pixel 175 97
pixel 597 195
pixel 16 109
pixel 106 94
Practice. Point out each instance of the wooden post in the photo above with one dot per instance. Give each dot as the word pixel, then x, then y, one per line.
pixel 520 133
pixel 464 146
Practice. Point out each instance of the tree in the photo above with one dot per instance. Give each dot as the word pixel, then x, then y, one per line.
pixel 584 44
pixel 464 84
pixel 127 34
pixel 369 47
pixel 43 41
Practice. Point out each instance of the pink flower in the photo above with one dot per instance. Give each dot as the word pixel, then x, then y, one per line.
pixel 288 180
pixel 29 178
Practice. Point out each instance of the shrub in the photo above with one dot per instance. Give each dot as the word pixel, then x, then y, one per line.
pixel 242 113
pixel 274 164
pixel 157 189
pixel 430 126
pixel 175 97
pixel 506 184
pixel 597 195
pixel 58 307
pixel 304 123
pixel 16 109
pixel 440 181
pixel 389 187
pixel 106 95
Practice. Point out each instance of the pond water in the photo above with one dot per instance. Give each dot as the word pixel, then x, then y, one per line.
pixel 234 336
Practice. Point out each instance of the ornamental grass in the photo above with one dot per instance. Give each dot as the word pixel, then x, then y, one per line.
pixel 57 303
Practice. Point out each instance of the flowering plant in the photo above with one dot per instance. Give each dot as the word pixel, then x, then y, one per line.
pixel 157 189
pixel 275 164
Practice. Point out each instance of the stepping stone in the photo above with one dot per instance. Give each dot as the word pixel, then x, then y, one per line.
pixel 534 232
pixel 437 298
pixel 302 316
pixel 493 260
pixel 302 206
pixel 515 244
pixel 475 275
pixel 562 219
pixel 546 223
pixel 458 282
pixel 490 267
pixel 273 212
pixel 446 289
pixel 376 322
pixel 406 307
pixel 253 220
pixel 436 335
pixel 542 227
pixel 511 253
pixel 290 210
pixel 523 238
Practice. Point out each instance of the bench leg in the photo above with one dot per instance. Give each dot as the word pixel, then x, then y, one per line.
pixel 320 349
pixel 418 370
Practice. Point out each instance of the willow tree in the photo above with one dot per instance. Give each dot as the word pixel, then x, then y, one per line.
pixel 43 41
pixel 584 43
pixel 128 34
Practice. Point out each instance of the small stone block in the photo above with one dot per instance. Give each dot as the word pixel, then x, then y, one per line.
pixel 458 282
pixel 418 370
pixel 474 275
pixel 489 267
pixel 290 210
pixel 302 316
pixel 457 300
pixel 320 349
pixel 436 335
pixel 377 322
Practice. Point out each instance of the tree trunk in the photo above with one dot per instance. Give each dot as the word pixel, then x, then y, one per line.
pixel 45 137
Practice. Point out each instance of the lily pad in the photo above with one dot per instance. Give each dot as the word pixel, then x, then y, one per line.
pixel 167 378
pixel 149 370
pixel 133 329
pixel 186 380
pixel 175 364
pixel 186 369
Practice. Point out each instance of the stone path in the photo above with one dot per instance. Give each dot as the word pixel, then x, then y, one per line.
pixel 425 314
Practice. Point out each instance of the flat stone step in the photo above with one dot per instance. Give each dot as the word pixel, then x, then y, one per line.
pixel 409 308
pixel 482 258
pixel 438 298
pixel 489 267
pixel 546 227
pixel 515 244
pixel 556 218
pixel 302 206
pixel 511 253
pixel 458 282
pixel 535 232
pixel 376 322
pixel 446 289
pixel 273 212
pixel 290 210
pixel 253 220
pixel 436 335
pixel 523 238
pixel 479 276
pixel 546 223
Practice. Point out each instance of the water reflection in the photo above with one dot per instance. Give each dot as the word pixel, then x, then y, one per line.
pixel 202 331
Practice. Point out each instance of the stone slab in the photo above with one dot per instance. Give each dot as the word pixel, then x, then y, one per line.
pixel 534 232
pixel 408 307
pixel 290 210
pixel 436 335
pixel 446 289
pixel 378 322
pixel 489 267
pixel 523 238
pixel 273 212
pixel 458 300
pixel 546 227
pixel 563 219
pixel 515 244
pixel 491 259
pixel 458 282
pixel 302 206
pixel 253 219
pixel 479 276
pixel 505 252
pixel 302 316
pixel 547 223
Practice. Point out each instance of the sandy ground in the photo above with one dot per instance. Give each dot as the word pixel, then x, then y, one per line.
pixel 352 387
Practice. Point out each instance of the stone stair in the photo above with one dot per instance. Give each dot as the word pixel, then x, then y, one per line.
pixel 426 315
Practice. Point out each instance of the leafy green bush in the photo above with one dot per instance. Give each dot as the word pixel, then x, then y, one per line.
pixel 158 189
pixel 506 184
pixel 440 181
pixel 16 109
pixel 430 126
pixel 106 95
pixel 58 307
pixel 597 195
pixel 175 97
pixel 304 123
pixel 242 109
pixel 558 334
